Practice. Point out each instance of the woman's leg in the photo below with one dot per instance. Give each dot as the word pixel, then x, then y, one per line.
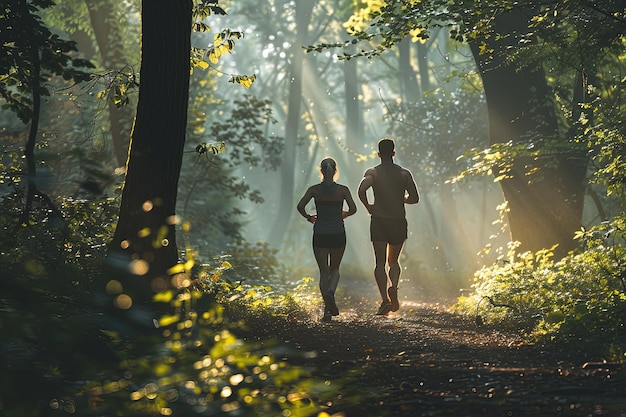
pixel 336 255
pixel 321 257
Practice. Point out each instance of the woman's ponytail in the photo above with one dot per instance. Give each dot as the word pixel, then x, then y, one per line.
pixel 328 167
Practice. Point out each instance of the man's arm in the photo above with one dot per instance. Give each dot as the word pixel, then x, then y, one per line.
pixel 365 184
pixel 413 196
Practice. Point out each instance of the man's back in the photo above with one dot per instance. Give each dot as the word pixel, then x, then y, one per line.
pixel 389 187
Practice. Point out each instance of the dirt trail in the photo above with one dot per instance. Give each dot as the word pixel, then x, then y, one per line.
pixel 425 361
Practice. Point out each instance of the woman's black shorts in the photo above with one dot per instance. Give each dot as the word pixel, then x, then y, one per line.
pixel 335 240
pixel 388 229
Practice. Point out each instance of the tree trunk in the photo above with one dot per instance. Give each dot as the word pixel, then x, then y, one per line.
pixel 354 112
pixel 288 166
pixel 145 236
pixel 109 41
pixel 546 208
pixel 29 149
pixel 408 81
pixel 422 65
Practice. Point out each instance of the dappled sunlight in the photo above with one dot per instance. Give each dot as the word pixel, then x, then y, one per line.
pixel 157 266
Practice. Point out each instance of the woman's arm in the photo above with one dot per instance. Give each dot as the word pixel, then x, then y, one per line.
pixel 308 195
pixel 350 201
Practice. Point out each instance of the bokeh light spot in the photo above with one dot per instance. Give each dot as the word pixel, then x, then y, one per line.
pixel 158 284
pixel 114 287
pixel 181 281
pixel 139 267
pixel 226 392
pixel 123 302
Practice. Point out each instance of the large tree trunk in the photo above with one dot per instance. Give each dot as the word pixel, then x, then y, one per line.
pixel 544 208
pixel 288 164
pixel 145 236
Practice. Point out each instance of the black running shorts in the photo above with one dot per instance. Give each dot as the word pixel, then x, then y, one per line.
pixel 388 229
pixel 335 240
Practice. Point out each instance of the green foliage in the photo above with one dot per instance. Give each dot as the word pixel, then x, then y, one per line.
pixel 223 43
pixel 65 350
pixel 210 185
pixel 50 301
pixel 579 299
pixel 47 244
pixel 31 54
pixel 205 8
pixel 244 296
pixel 439 122
pixel 255 262
pixel 244 134
pixel 201 367
pixel 118 85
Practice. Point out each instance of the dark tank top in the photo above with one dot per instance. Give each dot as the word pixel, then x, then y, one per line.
pixel 328 205
pixel 389 190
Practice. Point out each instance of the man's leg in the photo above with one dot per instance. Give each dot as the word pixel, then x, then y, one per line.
pixel 380 274
pixel 393 259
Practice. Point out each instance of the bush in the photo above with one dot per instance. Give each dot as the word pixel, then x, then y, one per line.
pixel 579 299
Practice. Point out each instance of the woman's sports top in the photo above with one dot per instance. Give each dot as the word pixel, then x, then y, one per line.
pixel 329 206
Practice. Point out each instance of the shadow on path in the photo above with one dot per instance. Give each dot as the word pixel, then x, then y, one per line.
pixel 426 361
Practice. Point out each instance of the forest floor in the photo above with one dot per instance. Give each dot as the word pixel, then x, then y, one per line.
pixel 424 360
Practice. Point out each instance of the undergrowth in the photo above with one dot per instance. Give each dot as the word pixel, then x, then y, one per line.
pixel 65 351
pixel 579 299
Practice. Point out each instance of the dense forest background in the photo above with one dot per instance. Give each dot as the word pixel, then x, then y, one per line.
pixel 153 154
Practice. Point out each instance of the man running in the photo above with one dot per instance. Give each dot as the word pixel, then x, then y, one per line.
pixel 393 187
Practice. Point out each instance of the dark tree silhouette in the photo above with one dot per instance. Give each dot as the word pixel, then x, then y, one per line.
pixel 145 237
pixel 544 209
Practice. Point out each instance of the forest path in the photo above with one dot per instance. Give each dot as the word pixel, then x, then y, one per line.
pixel 426 361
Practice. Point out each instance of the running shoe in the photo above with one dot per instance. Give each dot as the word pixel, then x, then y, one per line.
pixel 327 316
pixel 393 296
pixel 384 309
pixel 331 306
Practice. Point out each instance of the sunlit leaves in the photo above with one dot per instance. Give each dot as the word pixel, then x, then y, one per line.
pixel 205 8
pixel 213 148
pixel 418 35
pixel 580 294
pixel 168 320
pixel 164 296
pixel 244 80
pixel 117 86
pixel 223 43
pixel 201 27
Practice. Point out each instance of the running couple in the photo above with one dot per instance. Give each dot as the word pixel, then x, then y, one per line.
pixel 393 187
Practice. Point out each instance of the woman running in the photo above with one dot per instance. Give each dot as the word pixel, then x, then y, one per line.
pixel 329 234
